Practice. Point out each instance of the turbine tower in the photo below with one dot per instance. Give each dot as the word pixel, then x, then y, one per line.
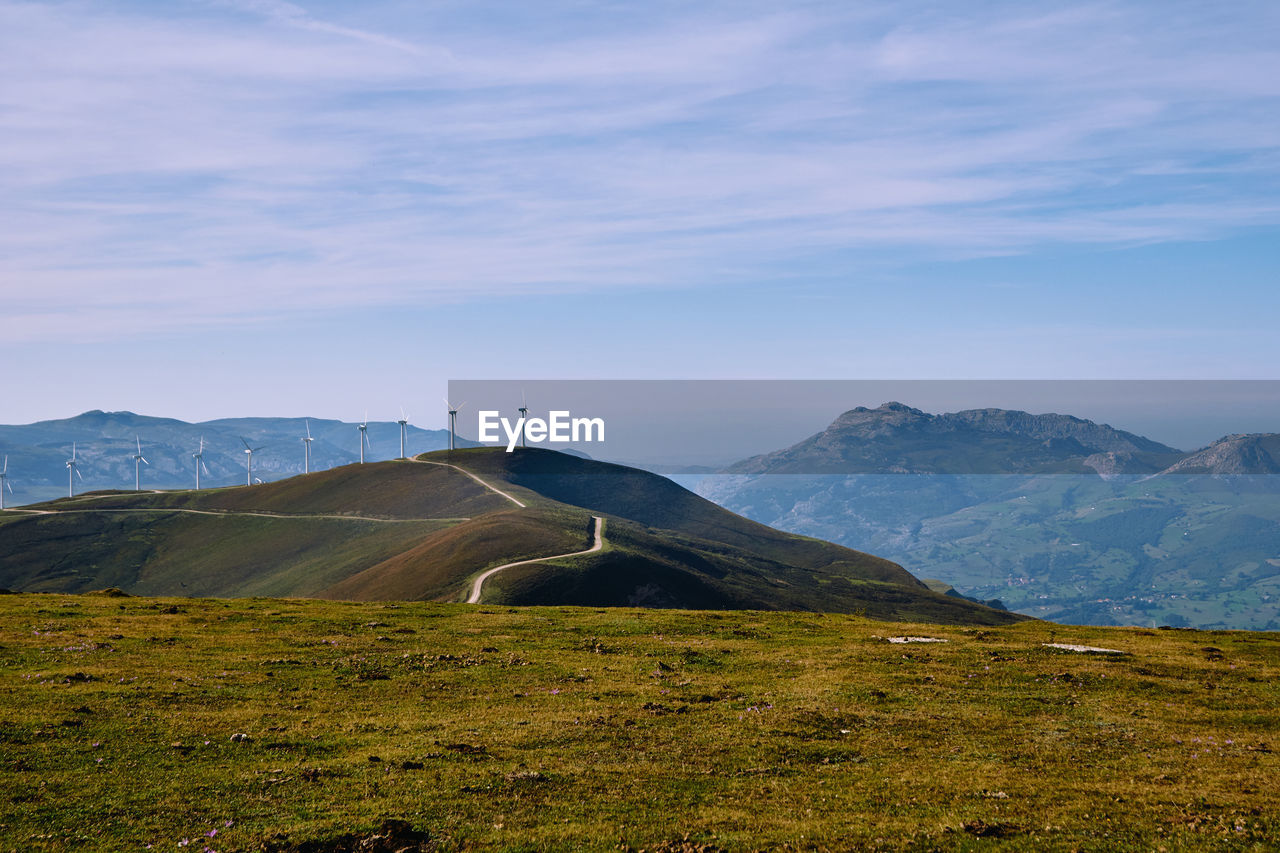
pixel 306 445
pixel 404 423
pixel 72 473
pixel 4 481
pixel 524 413
pixel 199 457
pixel 453 420
pixel 138 459
pixel 364 436
pixel 248 461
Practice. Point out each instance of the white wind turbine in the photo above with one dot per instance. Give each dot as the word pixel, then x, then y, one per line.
pixel 306 444
pixel 453 420
pixel 199 457
pixel 524 413
pixel 364 436
pixel 248 461
pixel 404 423
pixel 4 481
pixel 72 473
pixel 138 460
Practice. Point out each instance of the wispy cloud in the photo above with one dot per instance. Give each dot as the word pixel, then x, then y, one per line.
pixel 210 163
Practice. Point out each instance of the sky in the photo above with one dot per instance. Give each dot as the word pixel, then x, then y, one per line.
pixel 218 208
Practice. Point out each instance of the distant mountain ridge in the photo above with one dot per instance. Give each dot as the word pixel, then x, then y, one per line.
pixel 897 439
pixel 106 442
pixel 1233 455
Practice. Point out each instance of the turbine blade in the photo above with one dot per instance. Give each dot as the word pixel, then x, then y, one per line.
pixel 144 460
pixel 6 465
pixel 78 474
pixel 205 467
pixel 245 443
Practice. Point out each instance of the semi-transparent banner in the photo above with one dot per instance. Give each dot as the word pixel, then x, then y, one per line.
pixel 970 427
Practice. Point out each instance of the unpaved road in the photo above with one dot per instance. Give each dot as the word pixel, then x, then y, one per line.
pixel 488 486
pixel 597 533
pixel 228 512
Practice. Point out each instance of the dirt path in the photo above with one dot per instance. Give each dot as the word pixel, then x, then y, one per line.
pixel 234 513
pixel 597 532
pixel 488 486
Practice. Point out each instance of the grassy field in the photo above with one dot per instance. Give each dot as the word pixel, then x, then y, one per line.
pixel 568 729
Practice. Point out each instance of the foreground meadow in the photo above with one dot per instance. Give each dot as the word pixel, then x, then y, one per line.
pixel 176 724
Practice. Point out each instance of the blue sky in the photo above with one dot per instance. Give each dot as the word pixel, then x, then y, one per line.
pixel 235 207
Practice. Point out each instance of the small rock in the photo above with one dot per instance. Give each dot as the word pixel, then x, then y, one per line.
pixel 1088 650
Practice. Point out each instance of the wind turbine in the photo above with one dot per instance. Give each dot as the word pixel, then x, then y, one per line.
pixel 4 481
pixel 306 444
pixel 453 420
pixel 138 459
pixel 524 413
pixel 404 423
pixel 248 461
pixel 199 457
pixel 364 436
pixel 72 473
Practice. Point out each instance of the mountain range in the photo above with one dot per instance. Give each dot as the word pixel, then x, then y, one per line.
pixel 1056 516
pixel 437 526
pixel 105 443
pixel 898 439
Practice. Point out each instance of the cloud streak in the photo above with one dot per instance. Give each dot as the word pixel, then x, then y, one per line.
pixel 197 165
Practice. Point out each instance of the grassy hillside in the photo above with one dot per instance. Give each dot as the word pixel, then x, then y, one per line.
pixel 379 489
pixel 657 503
pixel 423 529
pixel 162 552
pixel 432 568
pixel 294 537
pixel 579 729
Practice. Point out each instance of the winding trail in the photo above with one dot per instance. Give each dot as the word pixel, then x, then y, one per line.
pixel 597 533
pixel 232 512
pixel 488 486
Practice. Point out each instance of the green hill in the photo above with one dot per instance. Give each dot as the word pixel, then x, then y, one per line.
pixel 423 529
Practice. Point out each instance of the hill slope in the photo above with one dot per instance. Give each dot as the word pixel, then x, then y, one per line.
pixel 422 529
